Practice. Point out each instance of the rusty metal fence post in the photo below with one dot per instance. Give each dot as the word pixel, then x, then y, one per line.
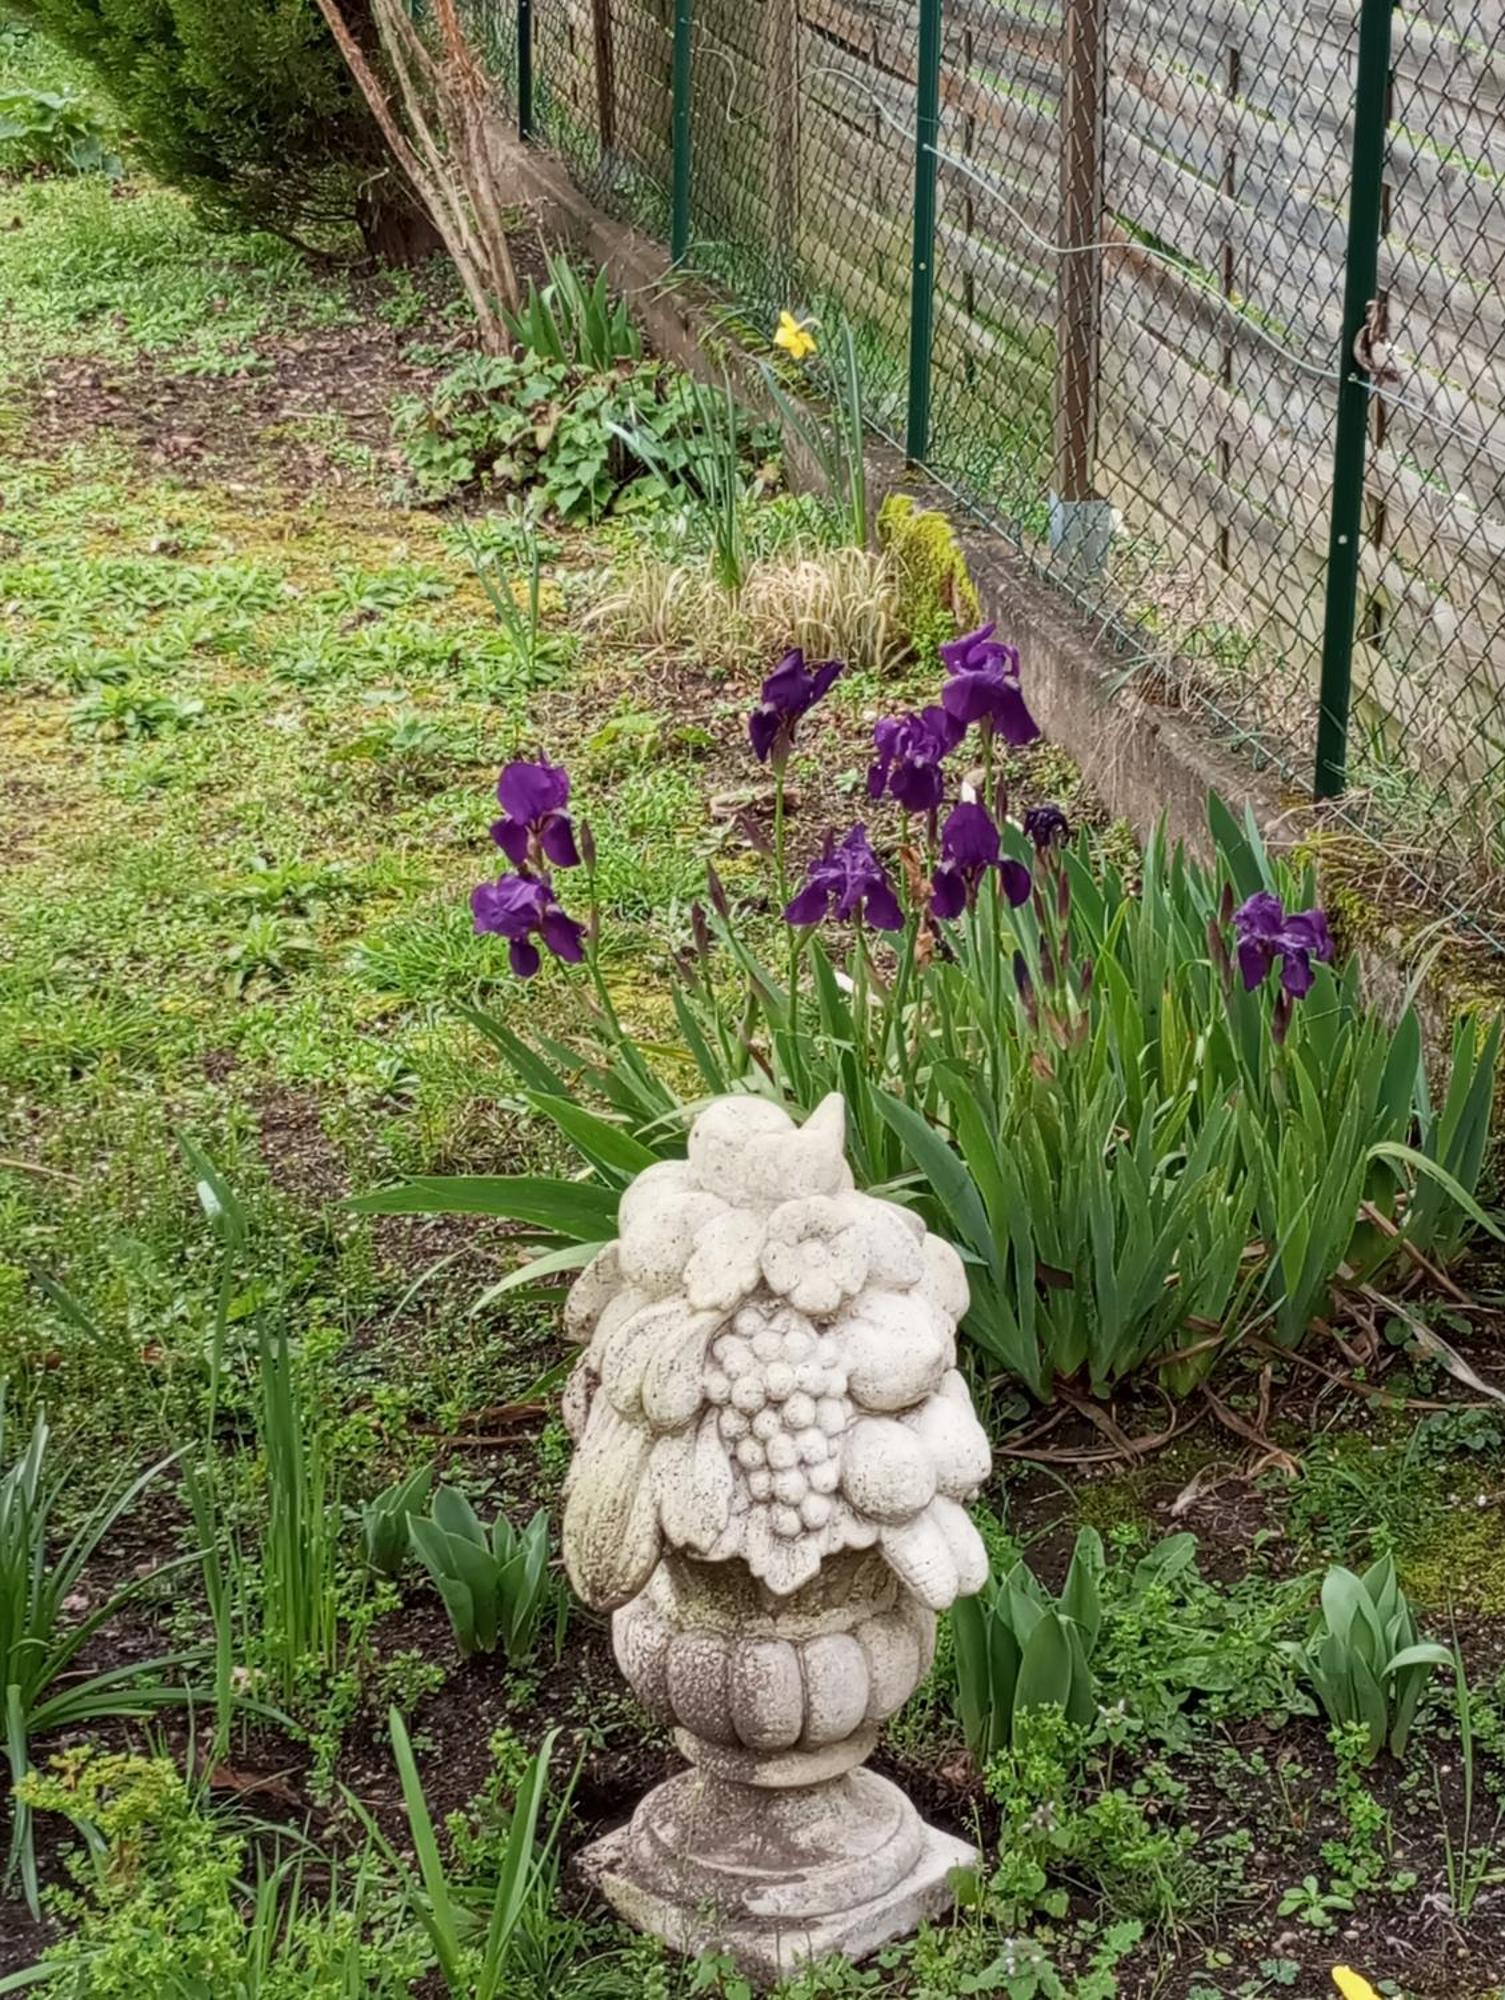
pixel 1079 517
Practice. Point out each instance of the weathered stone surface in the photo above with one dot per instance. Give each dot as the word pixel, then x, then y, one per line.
pixel 851 1870
pixel 773 1449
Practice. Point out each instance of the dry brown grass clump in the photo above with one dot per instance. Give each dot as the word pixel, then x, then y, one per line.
pixel 834 603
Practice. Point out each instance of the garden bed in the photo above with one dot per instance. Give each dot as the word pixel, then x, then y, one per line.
pixel 256 701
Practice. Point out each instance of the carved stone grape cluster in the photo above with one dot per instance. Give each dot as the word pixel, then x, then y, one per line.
pixel 781 1388
pixel 770 1372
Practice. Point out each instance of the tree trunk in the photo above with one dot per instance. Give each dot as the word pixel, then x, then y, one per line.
pixel 395 227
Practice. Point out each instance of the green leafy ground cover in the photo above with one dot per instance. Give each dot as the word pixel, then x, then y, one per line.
pixel 254 702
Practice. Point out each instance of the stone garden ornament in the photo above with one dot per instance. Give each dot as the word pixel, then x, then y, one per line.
pixel 773 1452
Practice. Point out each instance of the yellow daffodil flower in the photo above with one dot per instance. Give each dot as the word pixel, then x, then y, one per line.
pixel 796 339
pixel 1353 1985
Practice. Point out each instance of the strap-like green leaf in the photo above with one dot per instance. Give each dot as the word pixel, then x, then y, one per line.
pixel 1430 1170
pixel 1045 1670
pixel 949 1180
pixel 603 1143
pixel 572 1257
pixel 579 1210
pixel 227 1218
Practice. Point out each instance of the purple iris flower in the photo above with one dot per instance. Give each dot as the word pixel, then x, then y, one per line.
pixel 850 881
pixel 910 750
pixel 984 686
pixel 534 824
pixel 790 691
pixel 1046 826
pixel 1266 933
pixel 520 908
pixel 969 848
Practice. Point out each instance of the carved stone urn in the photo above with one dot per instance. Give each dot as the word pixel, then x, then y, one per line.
pixel 773 1449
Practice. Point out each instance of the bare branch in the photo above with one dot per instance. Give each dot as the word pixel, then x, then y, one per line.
pixel 439 132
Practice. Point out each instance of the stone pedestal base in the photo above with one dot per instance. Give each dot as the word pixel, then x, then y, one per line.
pixel 776 1878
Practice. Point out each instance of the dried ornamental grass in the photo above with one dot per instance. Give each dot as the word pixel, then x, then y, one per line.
pixel 836 603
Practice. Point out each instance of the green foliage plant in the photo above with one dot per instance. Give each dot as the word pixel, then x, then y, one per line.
pixel 128 711
pixel 1315 1906
pixel 537 654
pixel 40 1635
pixel 573 319
pixel 301 1591
pixel 1364 1658
pixel 1172 1641
pixel 496 1587
pixel 1056 1828
pixel 164 1900
pixel 834 432
pixel 476 1945
pixel 385 1520
pixel 710 484
pixel 269 951
pixel 1016 1649
pixel 579 442
pixel 54 128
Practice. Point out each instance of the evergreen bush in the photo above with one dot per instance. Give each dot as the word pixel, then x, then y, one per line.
pixel 247 107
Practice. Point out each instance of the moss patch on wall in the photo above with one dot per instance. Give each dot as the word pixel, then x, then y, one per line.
pixel 937 597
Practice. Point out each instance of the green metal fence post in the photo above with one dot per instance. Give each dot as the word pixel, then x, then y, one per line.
pixel 922 265
pixel 1371 115
pixel 679 214
pixel 525 69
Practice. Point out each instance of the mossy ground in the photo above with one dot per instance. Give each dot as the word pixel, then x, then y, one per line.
pixel 253 706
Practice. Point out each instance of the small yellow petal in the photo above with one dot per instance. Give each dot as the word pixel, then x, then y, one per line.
pixel 796 340
pixel 1353 1985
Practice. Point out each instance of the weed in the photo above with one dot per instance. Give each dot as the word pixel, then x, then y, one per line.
pixel 159 1901
pixel 127 710
pixel 1310 1903
pixel 270 950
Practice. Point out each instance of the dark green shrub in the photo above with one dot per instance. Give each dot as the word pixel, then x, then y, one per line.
pixel 247 107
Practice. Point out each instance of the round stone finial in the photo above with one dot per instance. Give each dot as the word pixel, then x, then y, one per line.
pixel 773 1451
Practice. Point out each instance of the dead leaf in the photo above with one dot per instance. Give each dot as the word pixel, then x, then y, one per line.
pixel 253 1784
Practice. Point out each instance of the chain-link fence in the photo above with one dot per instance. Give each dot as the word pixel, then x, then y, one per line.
pixel 1200 306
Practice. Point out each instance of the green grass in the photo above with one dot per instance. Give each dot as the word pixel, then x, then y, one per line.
pixel 252 750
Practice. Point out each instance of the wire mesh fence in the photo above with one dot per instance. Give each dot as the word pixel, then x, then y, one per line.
pixel 1170 244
